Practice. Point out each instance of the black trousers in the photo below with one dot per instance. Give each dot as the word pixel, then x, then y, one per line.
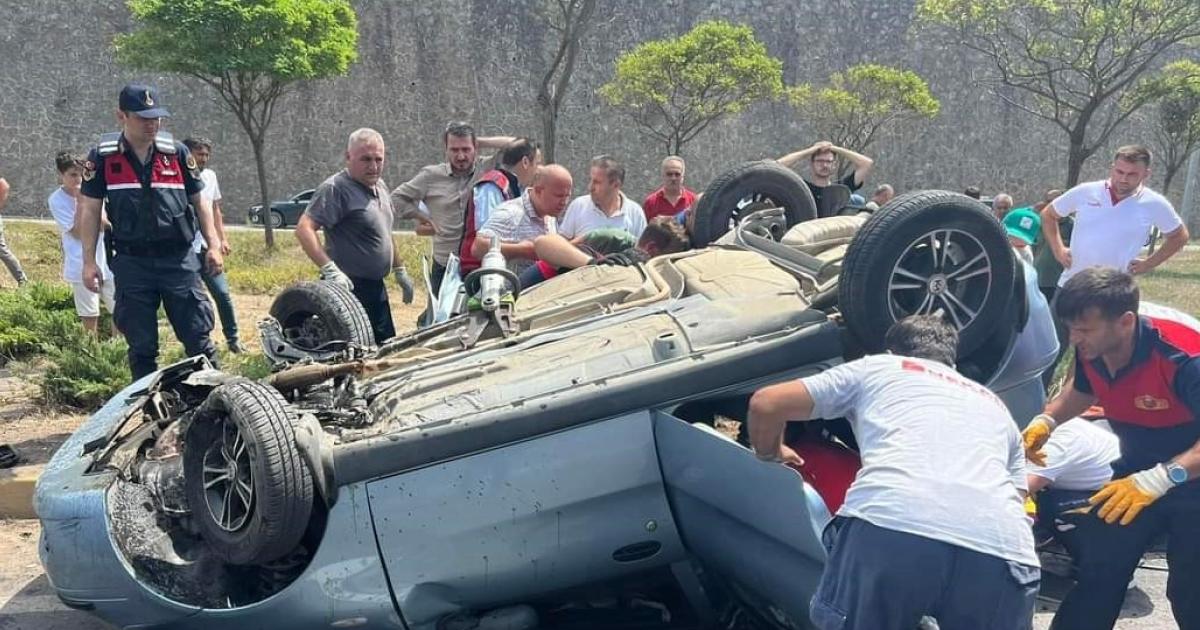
pixel 372 294
pixel 144 282
pixel 1107 555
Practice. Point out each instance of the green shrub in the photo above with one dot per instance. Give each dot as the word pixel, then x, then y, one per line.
pixel 86 374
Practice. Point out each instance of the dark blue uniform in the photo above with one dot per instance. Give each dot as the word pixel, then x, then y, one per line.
pixel 150 243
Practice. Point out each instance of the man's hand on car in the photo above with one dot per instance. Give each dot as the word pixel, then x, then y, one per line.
pixel 331 273
pixel 404 281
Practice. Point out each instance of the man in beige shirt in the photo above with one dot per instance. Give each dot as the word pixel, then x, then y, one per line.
pixel 445 189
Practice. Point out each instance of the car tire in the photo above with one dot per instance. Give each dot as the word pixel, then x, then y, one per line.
pixel 277 220
pixel 745 188
pixel 248 488
pixel 890 270
pixel 312 314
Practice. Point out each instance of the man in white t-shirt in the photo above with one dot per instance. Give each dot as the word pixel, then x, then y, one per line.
pixel 1113 218
pixel 605 206
pixel 218 285
pixel 1078 462
pixel 934 523
pixel 62 208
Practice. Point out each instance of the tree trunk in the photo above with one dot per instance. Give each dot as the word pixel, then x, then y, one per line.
pixel 268 232
pixel 1076 156
pixel 549 129
pixel 1169 176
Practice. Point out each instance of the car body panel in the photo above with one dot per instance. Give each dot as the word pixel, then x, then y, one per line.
pixel 477 531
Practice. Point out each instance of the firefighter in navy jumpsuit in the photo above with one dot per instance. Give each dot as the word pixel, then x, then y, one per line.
pixel 152 201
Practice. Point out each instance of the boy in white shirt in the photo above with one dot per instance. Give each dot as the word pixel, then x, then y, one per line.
pixel 62 204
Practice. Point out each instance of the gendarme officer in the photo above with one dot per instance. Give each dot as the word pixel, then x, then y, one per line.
pixel 150 185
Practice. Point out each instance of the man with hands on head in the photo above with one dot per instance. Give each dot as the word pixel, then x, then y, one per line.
pixel 823 162
pixel 934 522
pixel 1139 362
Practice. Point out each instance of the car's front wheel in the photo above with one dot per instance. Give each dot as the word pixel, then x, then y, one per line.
pixel 276 219
pixel 248 486
pixel 926 252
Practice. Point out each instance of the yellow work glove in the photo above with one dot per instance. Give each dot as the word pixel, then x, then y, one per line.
pixel 1034 438
pixel 1125 498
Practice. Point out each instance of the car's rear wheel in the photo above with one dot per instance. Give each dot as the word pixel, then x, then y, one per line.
pixel 248 487
pixel 923 252
pixel 276 219
pixel 745 189
pixel 313 314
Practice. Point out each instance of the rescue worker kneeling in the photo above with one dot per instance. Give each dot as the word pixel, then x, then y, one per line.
pixel 934 523
pixel 150 184
pixel 1144 370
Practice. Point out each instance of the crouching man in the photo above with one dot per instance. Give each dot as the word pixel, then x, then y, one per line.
pixel 934 523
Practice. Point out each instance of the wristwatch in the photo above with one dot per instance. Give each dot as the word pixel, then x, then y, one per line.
pixel 1177 473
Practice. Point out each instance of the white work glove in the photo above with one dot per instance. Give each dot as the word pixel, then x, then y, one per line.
pixel 331 273
pixel 404 281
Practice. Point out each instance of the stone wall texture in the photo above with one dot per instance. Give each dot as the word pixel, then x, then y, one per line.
pixel 422 63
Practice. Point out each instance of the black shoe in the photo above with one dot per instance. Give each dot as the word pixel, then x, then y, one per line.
pixel 235 347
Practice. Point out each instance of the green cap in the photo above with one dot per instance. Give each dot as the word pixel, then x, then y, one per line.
pixel 1023 223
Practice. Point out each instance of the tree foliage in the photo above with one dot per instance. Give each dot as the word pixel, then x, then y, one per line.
pixel 251 52
pixel 1174 95
pixel 1075 59
pixel 859 105
pixel 675 88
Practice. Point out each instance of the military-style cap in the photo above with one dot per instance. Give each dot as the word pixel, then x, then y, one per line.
pixel 141 100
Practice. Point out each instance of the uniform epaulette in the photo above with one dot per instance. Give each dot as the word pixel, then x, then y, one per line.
pixel 164 143
pixel 110 143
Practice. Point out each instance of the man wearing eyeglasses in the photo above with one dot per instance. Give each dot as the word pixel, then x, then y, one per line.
pixel 823 162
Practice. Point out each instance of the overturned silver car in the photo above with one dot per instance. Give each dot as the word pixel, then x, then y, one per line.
pixel 547 463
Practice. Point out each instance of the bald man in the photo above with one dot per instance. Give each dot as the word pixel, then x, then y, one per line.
pixel 519 221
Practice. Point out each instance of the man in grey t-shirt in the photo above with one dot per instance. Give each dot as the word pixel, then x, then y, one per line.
pixel 355 211
pixel 934 523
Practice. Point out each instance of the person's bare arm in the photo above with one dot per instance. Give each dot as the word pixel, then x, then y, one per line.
pixel 795 157
pixel 219 224
pixel 1172 243
pixel 559 252
pixel 87 222
pixel 3 192
pixel 1069 403
pixel 518 250
pixel 771 408
pixel 862 164
pixel 494 142
pixel 306 234
pixel 1053 236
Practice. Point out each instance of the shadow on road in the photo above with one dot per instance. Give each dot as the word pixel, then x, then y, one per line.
pixel 36 607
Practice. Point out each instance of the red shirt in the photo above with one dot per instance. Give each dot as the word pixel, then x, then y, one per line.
pixel 656 204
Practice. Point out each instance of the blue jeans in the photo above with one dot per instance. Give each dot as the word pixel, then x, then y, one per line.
pixel 882 579
pixel 218 287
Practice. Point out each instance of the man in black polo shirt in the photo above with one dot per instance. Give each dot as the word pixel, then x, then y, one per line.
pixel 1140 363
pixel 151 187
pixel 823 161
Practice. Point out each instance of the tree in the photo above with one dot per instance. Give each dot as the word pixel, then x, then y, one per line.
pixel 570 20
pixel 1075 59
pixel 865 100
pixel 675 88
pixel 1175 95
pixel 251 52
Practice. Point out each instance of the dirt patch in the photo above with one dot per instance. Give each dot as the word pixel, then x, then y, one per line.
pixel 29 426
